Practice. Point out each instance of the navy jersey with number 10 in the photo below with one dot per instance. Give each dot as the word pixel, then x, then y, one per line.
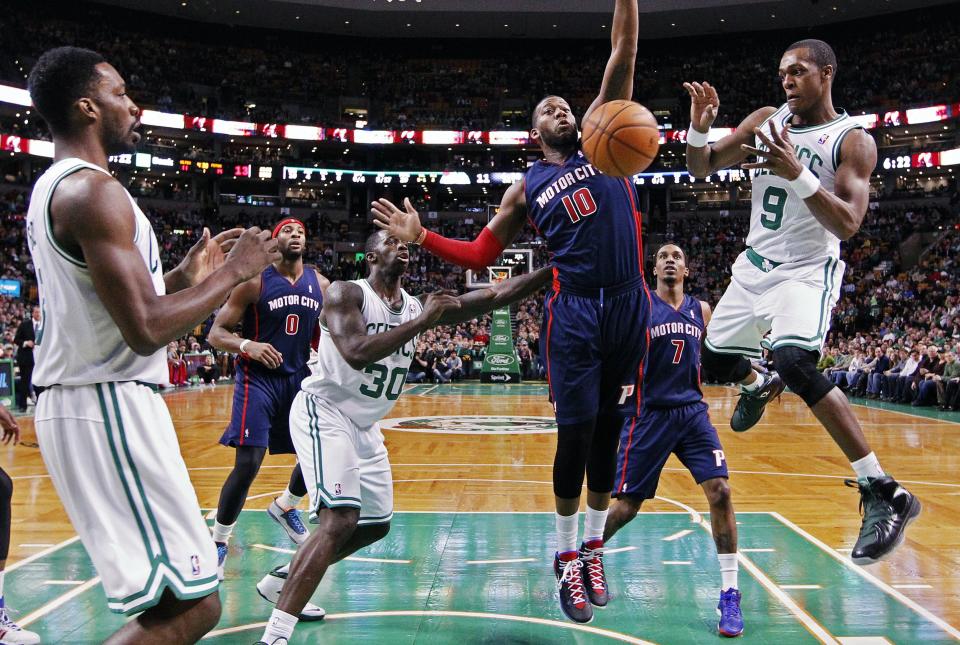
pixel 673 360
pixel 590 221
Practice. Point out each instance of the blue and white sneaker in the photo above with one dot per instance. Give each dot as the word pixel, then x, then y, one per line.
pixel 12 634
pixel 270 587
pixel 290 522
pixel 221 558
pixel 731 620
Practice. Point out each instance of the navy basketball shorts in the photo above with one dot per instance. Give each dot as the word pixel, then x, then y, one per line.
pixel 261 410
pixel 594 343
pixel 646 443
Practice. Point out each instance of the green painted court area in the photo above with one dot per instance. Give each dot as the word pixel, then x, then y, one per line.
pixel 435 579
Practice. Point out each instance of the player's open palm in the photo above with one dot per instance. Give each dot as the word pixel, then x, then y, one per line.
pixel 704 105
pixel 253 252
pixel 264 353
pixel 402 224
pixel 438 303
pixel 11 431
pixel 208 254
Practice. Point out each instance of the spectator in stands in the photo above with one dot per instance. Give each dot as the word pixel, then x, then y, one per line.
pixel 899 388
pixel 924 386
pixel 208 373
pixel 948 384
pixel 176 366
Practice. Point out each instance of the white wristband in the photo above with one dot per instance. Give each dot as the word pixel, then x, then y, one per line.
pixel 806 185
pixel 695 138
pixel 243 344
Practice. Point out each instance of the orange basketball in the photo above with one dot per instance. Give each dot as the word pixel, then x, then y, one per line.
pixel 621 138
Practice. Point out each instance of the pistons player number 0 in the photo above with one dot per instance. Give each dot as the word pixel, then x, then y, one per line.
pixel 293 324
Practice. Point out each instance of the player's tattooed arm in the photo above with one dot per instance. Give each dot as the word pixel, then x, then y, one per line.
pixel 618 75
pixel 342 316
pixel 499 295
pixel 728 151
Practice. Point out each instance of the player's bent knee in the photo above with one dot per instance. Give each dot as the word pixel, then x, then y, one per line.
pixel 798 369
pixel 718 492
pixel 726 368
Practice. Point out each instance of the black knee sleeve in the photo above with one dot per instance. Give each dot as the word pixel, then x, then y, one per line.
pixel 6 492
pixel 798 369
pixel 602 458
pixel 297 486
pixel 726 368
pixel 573 446
pixel 234 492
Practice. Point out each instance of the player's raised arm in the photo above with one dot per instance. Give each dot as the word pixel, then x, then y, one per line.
pixel 703 158
pixel 203 258
pixel 501 231
pixel 841 212
pixel 499 295
pixel 618 75
pixel 341 313
pixel 92 214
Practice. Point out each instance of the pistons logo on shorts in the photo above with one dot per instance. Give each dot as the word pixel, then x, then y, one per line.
pixel 337 489
pixel 195 564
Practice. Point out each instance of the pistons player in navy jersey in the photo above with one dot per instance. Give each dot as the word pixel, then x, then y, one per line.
pixel 674 420
pixel 279 312
pixel 596 314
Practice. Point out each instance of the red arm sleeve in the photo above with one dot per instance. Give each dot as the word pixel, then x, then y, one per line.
pixel 475 255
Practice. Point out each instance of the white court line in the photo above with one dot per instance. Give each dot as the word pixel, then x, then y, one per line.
pixel 678 535
pixel 57 602
pixel 863 640
pixel 65 583
pixel 678 562
pixel 38 545
pixel 352 558
pixel 623 638
pixel 758 550
pixel 508 561
pixel 801 587
pixel 619 550
pixel 912 604
pixel 695 517
pixel 429 390
pixel 272 493
pixel 912 586
pixel 40 554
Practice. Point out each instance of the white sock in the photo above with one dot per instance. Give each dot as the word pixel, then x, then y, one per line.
pixel 567 526
pixel 868 466
pixel 284 569
pixel 2 574
pixel 757 383
pixel 595 522
pixel 288 500
pixel 222 532
pixel 728 570
pixel 280 625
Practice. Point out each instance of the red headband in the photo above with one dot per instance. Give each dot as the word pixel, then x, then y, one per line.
pixel 289 220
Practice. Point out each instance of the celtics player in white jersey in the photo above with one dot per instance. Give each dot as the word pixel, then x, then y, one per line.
pixel 811 184
pixel 370 329
pixel 108 311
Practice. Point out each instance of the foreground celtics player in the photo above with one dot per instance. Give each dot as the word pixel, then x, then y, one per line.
pixel 810 190
pixel 370 329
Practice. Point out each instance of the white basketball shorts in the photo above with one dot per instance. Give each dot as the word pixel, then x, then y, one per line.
pixel 343 464
pixel 115 461
pixel 775 305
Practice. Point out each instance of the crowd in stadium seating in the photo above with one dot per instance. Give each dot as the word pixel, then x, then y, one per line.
pixel 886 310
pixel 276 77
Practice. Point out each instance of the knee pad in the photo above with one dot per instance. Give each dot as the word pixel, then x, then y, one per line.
pixel 726 368
pixel 6 486
pixel 798 369
pixel 569 464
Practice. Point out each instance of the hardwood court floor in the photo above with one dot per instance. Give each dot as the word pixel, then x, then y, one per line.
pixel 469 477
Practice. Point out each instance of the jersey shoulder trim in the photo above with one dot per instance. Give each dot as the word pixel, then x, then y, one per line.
pixel 838 143
pixel 48 219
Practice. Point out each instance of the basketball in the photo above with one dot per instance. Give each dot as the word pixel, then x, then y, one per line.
pixel 621 138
